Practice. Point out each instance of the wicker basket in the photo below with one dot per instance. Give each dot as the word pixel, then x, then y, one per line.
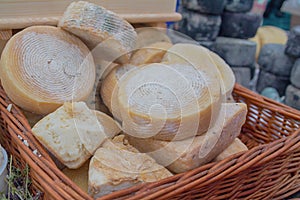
pixel 269 170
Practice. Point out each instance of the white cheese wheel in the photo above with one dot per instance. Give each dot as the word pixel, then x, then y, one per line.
pixel 150 54
pixel 168 101
pixel 73 132
pixel 43 66
pixel 96 26
pixel 117 165
pixel 204 59
pixel 110 87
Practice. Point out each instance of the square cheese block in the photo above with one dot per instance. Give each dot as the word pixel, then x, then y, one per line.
pixel 235 147
pixel 181 156
pixel 117 165
pixel 73 132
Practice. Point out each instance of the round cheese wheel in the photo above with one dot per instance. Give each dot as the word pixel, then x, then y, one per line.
pixel 42 67
pixel 111 37
pixel 168 101
pixel 150 54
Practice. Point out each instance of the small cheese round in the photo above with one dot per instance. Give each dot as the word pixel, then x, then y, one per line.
pixel 43 66
pixel 111 36
pixel 153 53
pixel 168 101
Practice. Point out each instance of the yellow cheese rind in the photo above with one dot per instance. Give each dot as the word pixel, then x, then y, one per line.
pixel 151 54
pixel 117 165
pixel 168 101
pixel 269 35
pixel 113 36
pixel 181 156
pixel 43 66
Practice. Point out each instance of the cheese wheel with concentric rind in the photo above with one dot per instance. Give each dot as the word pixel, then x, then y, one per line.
pixel 168 101
pixel 114 37
pixel 43 66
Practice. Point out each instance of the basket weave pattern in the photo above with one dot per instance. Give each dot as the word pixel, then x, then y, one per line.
pixel 269 170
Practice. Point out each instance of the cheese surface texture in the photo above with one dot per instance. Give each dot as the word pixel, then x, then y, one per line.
pixel 168 101
pixel 203 59
pixel 109 35
pixel 117 165
pixel 181 156
pixel 73 132
pixel 42 67
pixel 110 87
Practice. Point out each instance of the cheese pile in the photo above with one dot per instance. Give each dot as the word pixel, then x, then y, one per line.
pixel 167 103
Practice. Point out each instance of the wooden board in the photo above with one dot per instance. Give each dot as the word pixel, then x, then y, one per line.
pixel 15 14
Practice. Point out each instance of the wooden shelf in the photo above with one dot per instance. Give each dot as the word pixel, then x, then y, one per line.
pixel 15 14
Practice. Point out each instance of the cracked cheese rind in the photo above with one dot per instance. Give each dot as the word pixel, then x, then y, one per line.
pixel 95 25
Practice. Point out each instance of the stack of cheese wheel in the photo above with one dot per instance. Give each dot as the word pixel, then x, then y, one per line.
pixel 42 67
pixel 168 101
pixel 175 99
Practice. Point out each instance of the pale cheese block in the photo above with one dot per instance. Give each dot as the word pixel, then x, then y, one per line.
pixel 236 146
pixel 117 165
pixel 42 67
pixel 168 101
pixel 110 87
pixel 150 54
pixel 73 132
pixel 150 35
pixel 79 176
pixel 202 58
pixel 181 156
pixel 111 37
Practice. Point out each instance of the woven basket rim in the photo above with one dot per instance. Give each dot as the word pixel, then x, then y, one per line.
pixel 63 188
